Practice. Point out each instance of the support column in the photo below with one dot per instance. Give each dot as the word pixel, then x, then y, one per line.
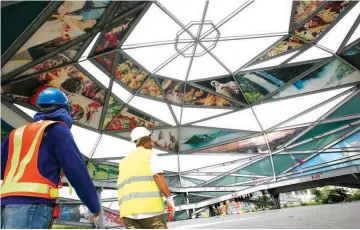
pixel 101 215
pixel 188 211
pixel 276 200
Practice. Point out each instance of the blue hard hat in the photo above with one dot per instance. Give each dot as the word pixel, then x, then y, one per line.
pixel 53 98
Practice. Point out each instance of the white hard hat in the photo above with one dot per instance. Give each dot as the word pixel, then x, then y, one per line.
pixel 138 133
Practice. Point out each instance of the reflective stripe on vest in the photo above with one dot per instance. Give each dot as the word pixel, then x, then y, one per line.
pixel 17 169
pixel 138 193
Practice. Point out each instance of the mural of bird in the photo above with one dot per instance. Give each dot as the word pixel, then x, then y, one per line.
pixel 229 89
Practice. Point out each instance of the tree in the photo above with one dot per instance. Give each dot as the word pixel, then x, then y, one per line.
pixel 319 195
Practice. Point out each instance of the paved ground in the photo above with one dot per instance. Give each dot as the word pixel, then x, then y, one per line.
pixel 345 215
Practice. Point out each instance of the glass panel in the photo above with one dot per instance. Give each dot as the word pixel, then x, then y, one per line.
pixel 194 138
pixel 88 49
pixel 95 71
pixel 227 180
pixel 225 86
pixel 273 62
pixel 304 9
pixel 120 92
pixel 284 162
pixel 110 146
pixel 355 35
pixel 352 141
pixel 176 69
pixel 177 111
pixel 61 58
pixel 69 21
pixel 311 54
pixel 85 139
pixel 242 120
pixel 195 114
pixel 321 21
pixel 196 96
pixel 86 97
pixel 353 56
pixel 335 73
pixel 112 111
pixel 129 73
pixel 333 39
pixel 107 61
pixel 322 142
pixel 279 138
pixel 126 6
pixel 282 47
pixel 217 10
pixel 130 118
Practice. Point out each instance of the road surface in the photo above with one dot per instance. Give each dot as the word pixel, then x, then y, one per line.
pixel 346 215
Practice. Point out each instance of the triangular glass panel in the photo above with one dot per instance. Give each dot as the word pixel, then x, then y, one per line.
pixel 111 38
pixel 281 137
pixel 113 109
pixel 278 22
pixel 282 47
pixel 354 36
pixel 95 71
pixel 192 138
pixel 126 6
pixel 120 92
pixel 349 108
pixel 273 113
pixel 262 167
pixel 241 120
pixel 272 62
pixel 304 9
pixel 174 90
pixel 85 139
pixel 61 58
pixel 154 108
pixel 177 112
pixel 315 114
pixel 199 97
pixel 106 61
pixel 110 146
pixel 195 114
pixel 225 86
pixel 333 39
pixel 228 51
pixel 312 53
pixel 141 55
pixel 89 48
pixel 322 128
pixel 129 118
pixel 205 67
pixel 217 11
pixel 312 29
pixel 228 180
pixel 323 141
pixel 129 73
pixel 176 69
pixel 151 89
pixel 353 56
pixel 352 141
pixel 285 161
pixel 86 97
pixel 258 84
pixel 335 73
pixel 48 37
pixel 165 139
pixel 190 182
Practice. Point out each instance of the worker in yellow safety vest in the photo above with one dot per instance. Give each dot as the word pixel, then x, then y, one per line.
pixel 141 186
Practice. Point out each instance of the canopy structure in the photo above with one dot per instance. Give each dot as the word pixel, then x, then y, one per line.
pixel 236 93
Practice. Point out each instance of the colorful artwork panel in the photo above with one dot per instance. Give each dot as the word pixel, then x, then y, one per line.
pixel 282 47
pixel 130 74
pixel 71 20
pixel 86 97
pixel 150 88
pixel 61 58
pixel 224 86
pixel 129 118
pixel 305 8
pixel 112 111
pixel 98 171
pixel 111 38
pixel 353 56
pixel 196 96
pixel 107 61
pixel 174 90
pixel 312 29
pixel 194 138
pixel 335 73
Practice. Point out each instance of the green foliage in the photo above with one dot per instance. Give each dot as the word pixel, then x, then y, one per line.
pixel 355 196
pixel 319 195
pixel 304 204
pixel 252 97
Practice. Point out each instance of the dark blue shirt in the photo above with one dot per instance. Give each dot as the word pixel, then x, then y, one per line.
pixel 57 150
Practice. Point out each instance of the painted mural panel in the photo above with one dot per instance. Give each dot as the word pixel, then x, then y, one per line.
pixel 194 138
pixel 107 61
pixel 86 97
pixel 312 29
pixel 282 47
pixel 335 73
pixel 305 8
pixel 99 171
pixel 129 118
pixel 150 88
pixel 112 111
pixel 112 38
pixel 61 58
pixel 256 144
pixel 225 86
pixel 71 20
pixel 353 56
pixel 174 90
pixel 129 73
pixel 257 85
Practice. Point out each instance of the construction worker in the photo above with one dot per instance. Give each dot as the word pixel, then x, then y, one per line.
pixel 141 186
pixel 31 160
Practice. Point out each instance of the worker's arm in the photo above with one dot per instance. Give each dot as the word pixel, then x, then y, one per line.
pixel 74 166
pixel 161 182
pixel 4 156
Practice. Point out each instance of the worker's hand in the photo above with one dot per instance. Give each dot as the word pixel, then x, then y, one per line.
pixel 96 220
pixel 170 207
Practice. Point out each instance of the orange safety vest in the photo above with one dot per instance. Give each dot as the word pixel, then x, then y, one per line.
pixel 22 177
